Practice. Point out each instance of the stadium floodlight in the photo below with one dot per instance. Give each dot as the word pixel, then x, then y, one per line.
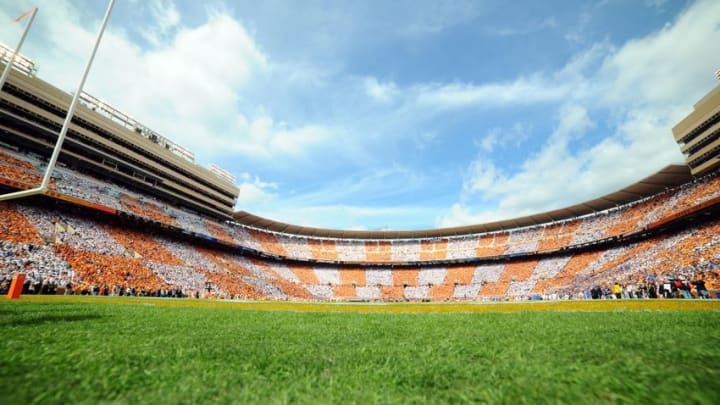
pixel 6 71
pixel 42 188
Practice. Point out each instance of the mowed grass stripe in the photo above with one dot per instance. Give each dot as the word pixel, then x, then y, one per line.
pixel 430 307
pixel 64 351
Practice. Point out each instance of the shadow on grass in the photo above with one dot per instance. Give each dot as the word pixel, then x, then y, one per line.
pixel 48 318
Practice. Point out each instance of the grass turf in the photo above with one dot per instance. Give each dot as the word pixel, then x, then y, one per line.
pixel 163 351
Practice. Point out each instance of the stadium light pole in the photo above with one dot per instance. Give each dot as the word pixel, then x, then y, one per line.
pixel 9 65
pixel 68 118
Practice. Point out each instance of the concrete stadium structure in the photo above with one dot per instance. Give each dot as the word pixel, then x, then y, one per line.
pixel 699 134
pixel 154 220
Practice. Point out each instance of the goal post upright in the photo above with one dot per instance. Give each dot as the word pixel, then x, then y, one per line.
pixel 32 12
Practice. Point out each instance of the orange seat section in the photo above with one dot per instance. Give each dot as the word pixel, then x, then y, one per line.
pixel 405 277
pixel 304 273
pixel 492 245
pixel 352 276
pixel 143 244
pixel 14 227
pixel 378 251
pixel 323 249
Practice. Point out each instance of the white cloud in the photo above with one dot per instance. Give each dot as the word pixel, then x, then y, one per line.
pixel 673 66
pixel 536 184
pixel 460 214
pixel 522 91
pixel 263 137
pixel 482 175
pixel 569 83
pixel 501 138
pixel 194 84
pixel 194 76
pixel 380 92
pixel 166 17
pixel 489 141
pixel 188 87
pixel 573 120
pixel 557 176
pixel 254 192
pixel 645 87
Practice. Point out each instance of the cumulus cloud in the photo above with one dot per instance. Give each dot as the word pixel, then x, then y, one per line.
pixel 195 84
pixel 380 92
pixel 645 87
pixel 672 66
pixel 255 192
pixel 543 178
pixel 188 84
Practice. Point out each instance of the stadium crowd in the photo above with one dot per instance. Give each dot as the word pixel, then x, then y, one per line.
pixel 61 249
pixel 551 236
pixel 82 255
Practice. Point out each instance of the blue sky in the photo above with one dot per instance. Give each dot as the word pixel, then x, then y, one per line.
pixel 402 114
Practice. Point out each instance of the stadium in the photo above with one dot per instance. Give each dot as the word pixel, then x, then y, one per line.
pixel 125 213
pixel 131 225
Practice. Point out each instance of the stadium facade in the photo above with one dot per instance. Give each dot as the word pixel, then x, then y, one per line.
pixel 129 209
pixel 699 134
pixel 110 146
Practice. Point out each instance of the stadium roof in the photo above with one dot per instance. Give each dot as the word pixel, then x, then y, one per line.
pixel 670 176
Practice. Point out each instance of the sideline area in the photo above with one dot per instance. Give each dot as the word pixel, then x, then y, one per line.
pixel 391 307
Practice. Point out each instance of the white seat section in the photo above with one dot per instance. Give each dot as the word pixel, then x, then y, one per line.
pixel 296 246
pixel 378 277
pixel 368 293
pixel 284 272
pixel 487 273
pixel 431 276
pixel 607 256
pixel 416 293
pixel 351 250
pixel 184 277
pixel 74 231
pixel 462 247
pixel 265 286
pixel 405 251
pixel 321 292
pixel 245 239
pixel 327 275
pixel 546 268
pixel 38 263
pixel 187 254
pixel 524 241
pixel 466 292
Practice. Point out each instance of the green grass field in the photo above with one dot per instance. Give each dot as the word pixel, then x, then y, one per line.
pixel 90 350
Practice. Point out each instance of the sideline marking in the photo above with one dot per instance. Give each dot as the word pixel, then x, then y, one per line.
pixel 432 307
